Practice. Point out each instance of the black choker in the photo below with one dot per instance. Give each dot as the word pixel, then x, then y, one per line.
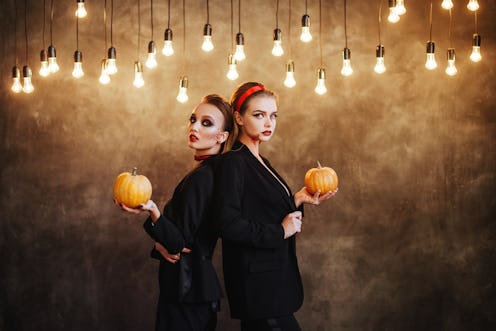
pixel 203 157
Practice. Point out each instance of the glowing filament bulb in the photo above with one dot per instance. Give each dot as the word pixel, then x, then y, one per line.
pixel 138 75
pixel 78 72
pixel 476 55
pixel 400 7
pixel 52 60
pixel 182 96
pixel 393 15
pixel 151 61
pixel 277 49
pixel 379 65
pixel 207 45
pixel 111 61
pixel 430 62
pixel 232 73
pixel 168 50
pixel 239 54
pixel 27 84
pixel 451 68
pixel 81 10
pixel 321 82
pixel 346 70
pixel 305 35
pixel 447 4
pixel 104 78
pixel 473 5
pixel 16 80
pixel 44 69
pixel 290 79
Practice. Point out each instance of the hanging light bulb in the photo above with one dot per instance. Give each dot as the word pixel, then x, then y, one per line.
pixel 207 45
pixel 81 10
pixel 168 50
pixel 473 5
pixel 277 49
pixel 290 80
pixel 182 96
pixel 52 60
pixel 239 54
pixel 447 4
pixel 44 69
pixel 430 62
pixel 346 70
pixel 111 61
pixel 78 65
pixel 151 60
pixel 321 82
pixel 400 7
pixel 16 80
pixel 379 65
pixel 393 15
pixel 476 55
pixel 27 86
pixel 138 75
pixel 104 78
pixel 305 35
pixel 451 68
pixel 232 73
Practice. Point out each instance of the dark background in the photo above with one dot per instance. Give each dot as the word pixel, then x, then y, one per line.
pixel 407 244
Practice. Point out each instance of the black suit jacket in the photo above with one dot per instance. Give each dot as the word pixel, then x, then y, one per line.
pixel 260 267
pixel 187 222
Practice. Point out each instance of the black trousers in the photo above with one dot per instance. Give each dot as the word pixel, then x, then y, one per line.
pixel 186 317
pixel 285 323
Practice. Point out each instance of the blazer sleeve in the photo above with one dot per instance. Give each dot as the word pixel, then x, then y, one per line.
pixel 229 189
pixel 166 233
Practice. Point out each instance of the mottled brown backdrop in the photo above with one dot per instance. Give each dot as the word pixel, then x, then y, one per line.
pixel 407 244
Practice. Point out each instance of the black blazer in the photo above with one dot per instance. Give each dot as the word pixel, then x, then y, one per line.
pixel 187 222
pixel 260 267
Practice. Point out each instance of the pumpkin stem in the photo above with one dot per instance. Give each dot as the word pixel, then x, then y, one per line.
pixel 134 171
pixel 318 163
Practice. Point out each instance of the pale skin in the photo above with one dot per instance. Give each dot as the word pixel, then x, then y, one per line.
pixel 205 137
pixel 256 125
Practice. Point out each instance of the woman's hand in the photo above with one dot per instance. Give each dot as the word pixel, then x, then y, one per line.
pixel 172 258
pixel 291 224
pixel 303 196
pixel 149 206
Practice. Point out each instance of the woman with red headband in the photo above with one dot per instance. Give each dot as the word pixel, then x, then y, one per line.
pixel 257 217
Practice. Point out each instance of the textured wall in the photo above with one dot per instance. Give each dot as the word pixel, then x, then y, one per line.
pixel 407 244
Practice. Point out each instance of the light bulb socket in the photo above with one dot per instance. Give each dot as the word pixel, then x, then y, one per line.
pixel 305 21
pixel 79 1
pixel 476 40
pixel 138 67
pixel 16 73
pixel 52 52
pixel 240 39
pixel 26 71
pixel 450 54
pixel 430 47
pixel 168 34
pixel 231 59
pixel 78 56
pixel 379 51
pixel 321 73
pixel 151 47
pixel 277 34
pixel 183 83
pixel 43 56
pixel 207 30
pixel 392 3
pixel 290 67
pixel 346 53
pixel 112 53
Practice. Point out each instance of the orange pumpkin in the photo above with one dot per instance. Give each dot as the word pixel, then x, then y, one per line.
pixel 132 189
pixel 323 179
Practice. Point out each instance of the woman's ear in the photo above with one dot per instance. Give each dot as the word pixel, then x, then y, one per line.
pixel 238 118
pixel 222 136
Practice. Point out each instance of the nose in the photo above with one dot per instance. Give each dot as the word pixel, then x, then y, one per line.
pixel 268 121
pixel 194 126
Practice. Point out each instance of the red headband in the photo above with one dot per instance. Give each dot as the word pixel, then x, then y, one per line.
pixel 247 93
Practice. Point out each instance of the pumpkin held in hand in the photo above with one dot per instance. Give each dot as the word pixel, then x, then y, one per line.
pixel 323 179
pixel 132 189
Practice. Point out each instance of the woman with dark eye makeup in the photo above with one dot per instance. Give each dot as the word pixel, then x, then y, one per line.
pixel 258 217
pixel 184 233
